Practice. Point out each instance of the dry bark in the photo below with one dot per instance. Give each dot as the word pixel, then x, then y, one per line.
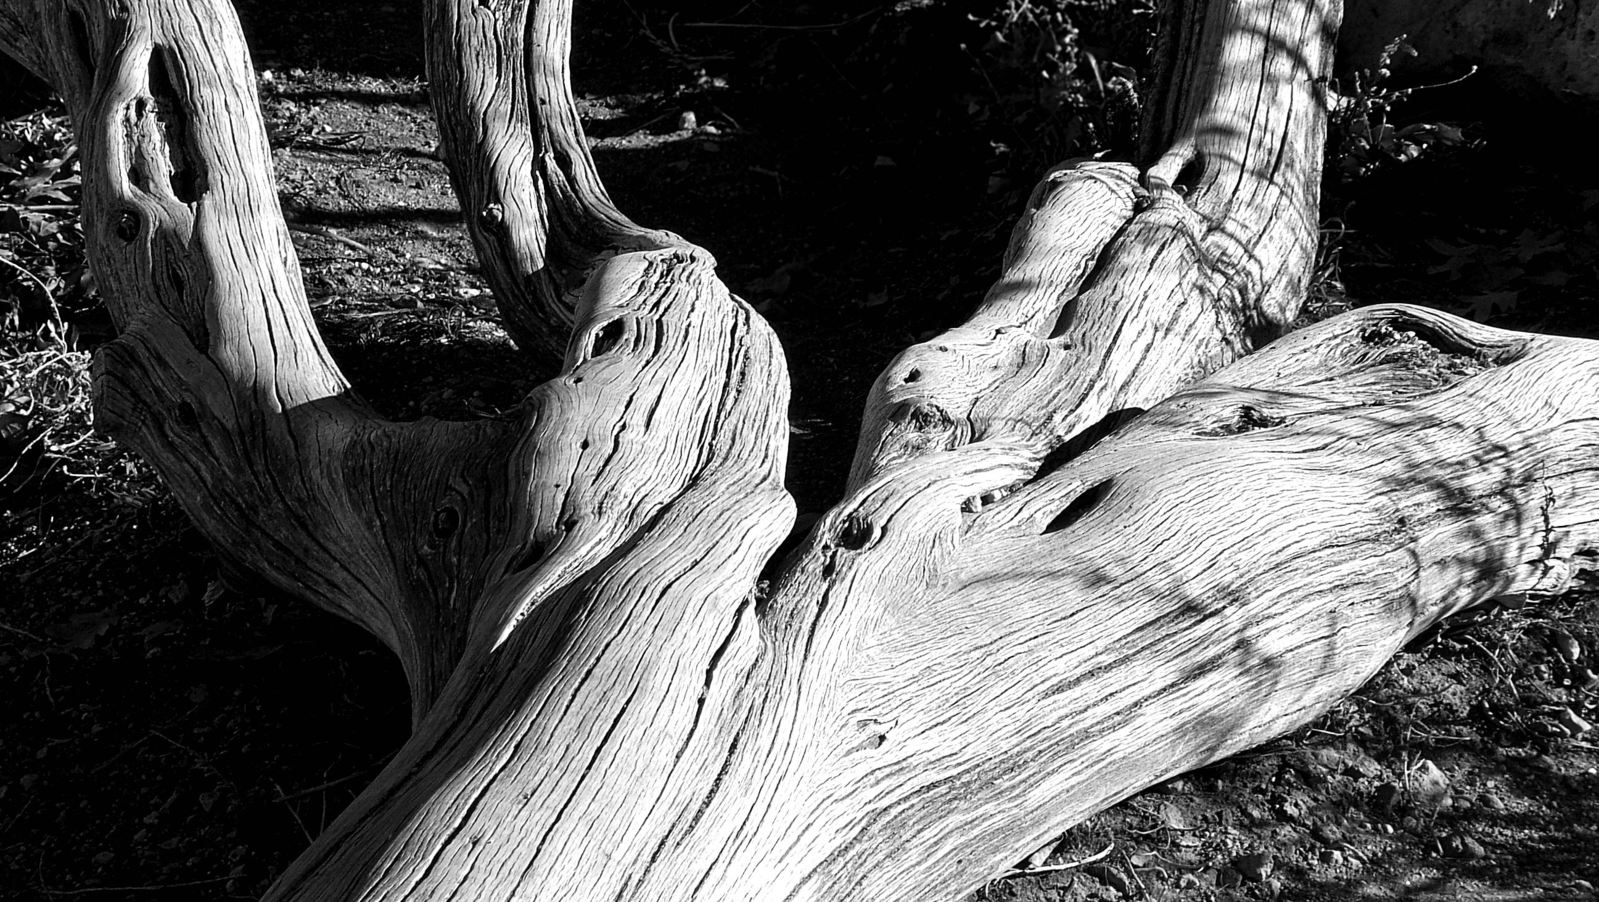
pixel 508 126
pixel 927 693
pixel 1122 284
pixel 18 41
pixel 1001 628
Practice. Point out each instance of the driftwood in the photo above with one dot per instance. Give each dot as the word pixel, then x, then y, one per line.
pixel 1067 565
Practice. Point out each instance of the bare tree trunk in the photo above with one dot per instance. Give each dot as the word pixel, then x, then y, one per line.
pixel 1123 284
pixel 1001 628
pixel 508 126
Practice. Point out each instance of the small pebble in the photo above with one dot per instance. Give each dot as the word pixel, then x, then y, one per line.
pixel 1290 809
pixel 1544 762
pixel 1327 759
pixel 1571 724
pixel 1427 782
pixel 1459 845
pixel 1039 856
pixel 1255 867
pixel 1566 647
pixel 687 121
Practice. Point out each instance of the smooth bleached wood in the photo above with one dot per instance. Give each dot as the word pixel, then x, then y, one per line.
pixel 1124 283
pixel 927 690
pixel 1036 597
pixel 218 376
pixel 498 74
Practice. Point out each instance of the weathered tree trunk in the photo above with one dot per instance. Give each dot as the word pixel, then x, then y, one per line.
pixel 1001 628
pixel 509 129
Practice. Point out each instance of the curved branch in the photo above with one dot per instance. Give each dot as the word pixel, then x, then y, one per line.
pixel 998 631
pixel 928 692
pixel 535 207
pixel 633 619
pixel 219 378
pixel 1121 286
pixel 963 686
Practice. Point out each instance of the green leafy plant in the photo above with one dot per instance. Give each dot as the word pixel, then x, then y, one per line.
pixel 1057 94
pixel 1363 136
pixel 42 266
pixel 46 431
pixel 46 424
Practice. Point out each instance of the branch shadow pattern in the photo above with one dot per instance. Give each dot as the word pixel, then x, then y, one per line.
pixel 1449 509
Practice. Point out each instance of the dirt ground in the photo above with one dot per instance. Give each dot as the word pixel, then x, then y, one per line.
pixel 173 732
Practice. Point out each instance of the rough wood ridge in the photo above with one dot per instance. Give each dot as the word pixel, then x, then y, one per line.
pixel 1067 566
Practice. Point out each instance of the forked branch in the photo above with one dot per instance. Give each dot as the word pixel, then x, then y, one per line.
pixel 420 532
pixel 218 376
pixel 928 692
pixel 1124 283
pixel 500 79
pixel 1001 628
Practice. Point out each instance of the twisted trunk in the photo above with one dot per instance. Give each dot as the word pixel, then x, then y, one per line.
pixel 1006 624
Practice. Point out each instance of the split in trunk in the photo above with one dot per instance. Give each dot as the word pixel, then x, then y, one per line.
pixel 1018 614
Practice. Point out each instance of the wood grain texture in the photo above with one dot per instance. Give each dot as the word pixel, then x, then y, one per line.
pixel 1000 629
pixel 927 692
pixel 1124 283
pixel 965 686
pixel 218 376
pixel 19 41
pixel 499 76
